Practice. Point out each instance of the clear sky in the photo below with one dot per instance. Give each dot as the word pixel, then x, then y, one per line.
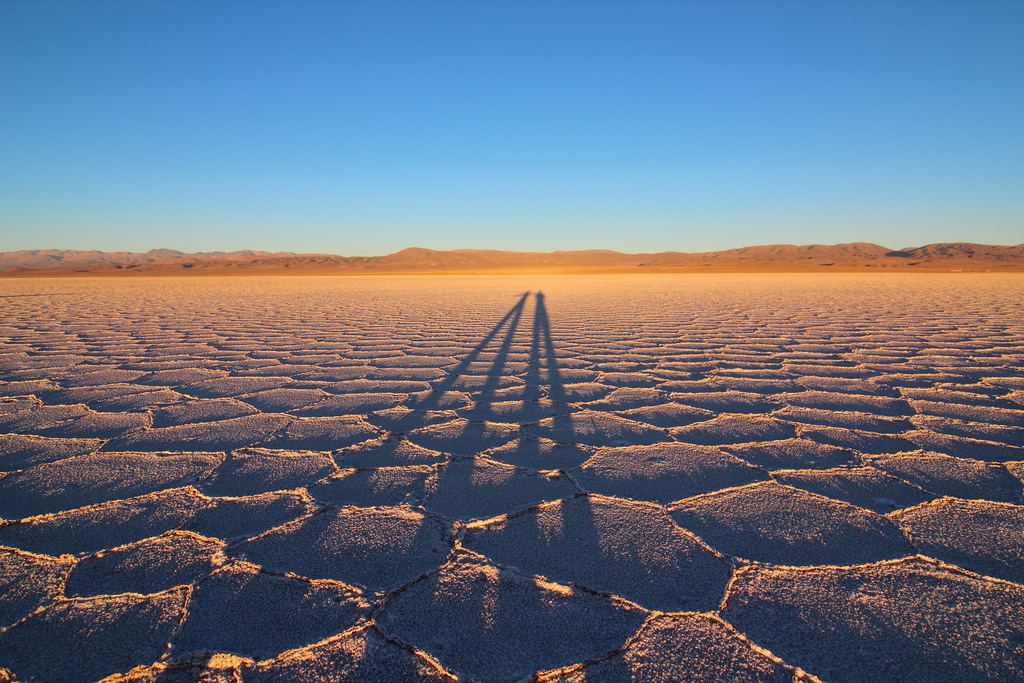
pixel 362 128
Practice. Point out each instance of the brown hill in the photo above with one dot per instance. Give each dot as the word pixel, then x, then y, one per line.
pixel 47 259
pixel 962 251
pixel 856 257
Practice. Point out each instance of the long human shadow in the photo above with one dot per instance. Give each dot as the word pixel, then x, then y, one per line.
pixel 543 372
pixel 579 516
pixel 542 357
pixel 459 477
pixel 501 358
pixel 434 398
pixel 577 513
pixel 542 369
pixel 542 335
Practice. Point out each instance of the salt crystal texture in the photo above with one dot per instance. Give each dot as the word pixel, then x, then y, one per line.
pixel 749 477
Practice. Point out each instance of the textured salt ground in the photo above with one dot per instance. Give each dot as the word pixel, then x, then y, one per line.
pixel 792 454
pixel 462 437
pixel 477 488
pixel 362 654
pixel 499 625
pixel 963 447
pixel 628 549
pixel 87 639
pixel 21 452
pixel 523 412
pixel 152 565
pixel 218 435
pixel 116 523
pixel 908 620
pixel 663 472
pixel 399 420
pixel 834 401
pixel 326 405
pixel 1011 436
pixel 248 472
pixel 376 548
pixel 681 647
pixel 978 535
pixel 374 487
pixel 946 475
pixel 617 445
pixel 39 417
pixel 729 429
pixel 77 482
pixel 844 419
pixel 243 610
pixel 865 487
pixel 541 454
pixel 280 400
pixel 773 523
pixel 204 667
pixel 321 433
pixel 595 429
pixel 28 582
pixel 94 395
pixel 387 451
pixel 863 442
pixel 666 415
pixel 193 412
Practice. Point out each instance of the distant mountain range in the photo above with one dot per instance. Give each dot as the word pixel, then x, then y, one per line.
pixel 857 257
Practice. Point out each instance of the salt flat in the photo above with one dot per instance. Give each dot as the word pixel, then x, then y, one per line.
pixel 760 477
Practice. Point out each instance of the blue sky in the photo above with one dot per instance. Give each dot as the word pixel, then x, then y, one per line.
pixel 367 127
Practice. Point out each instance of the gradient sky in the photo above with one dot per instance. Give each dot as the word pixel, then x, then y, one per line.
pixel 367 127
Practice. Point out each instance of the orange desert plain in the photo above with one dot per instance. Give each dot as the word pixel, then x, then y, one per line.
pixel 606 477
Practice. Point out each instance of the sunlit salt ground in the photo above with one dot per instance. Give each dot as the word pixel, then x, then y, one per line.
pixel 735 478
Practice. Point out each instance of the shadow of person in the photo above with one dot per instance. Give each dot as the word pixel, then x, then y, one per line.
pixel 433 399
pixel 542 334
pixel 543 380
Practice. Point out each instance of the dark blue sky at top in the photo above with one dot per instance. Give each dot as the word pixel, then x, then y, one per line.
pixel 367 127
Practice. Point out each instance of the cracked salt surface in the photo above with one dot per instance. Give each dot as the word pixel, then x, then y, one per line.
pixel 728 477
